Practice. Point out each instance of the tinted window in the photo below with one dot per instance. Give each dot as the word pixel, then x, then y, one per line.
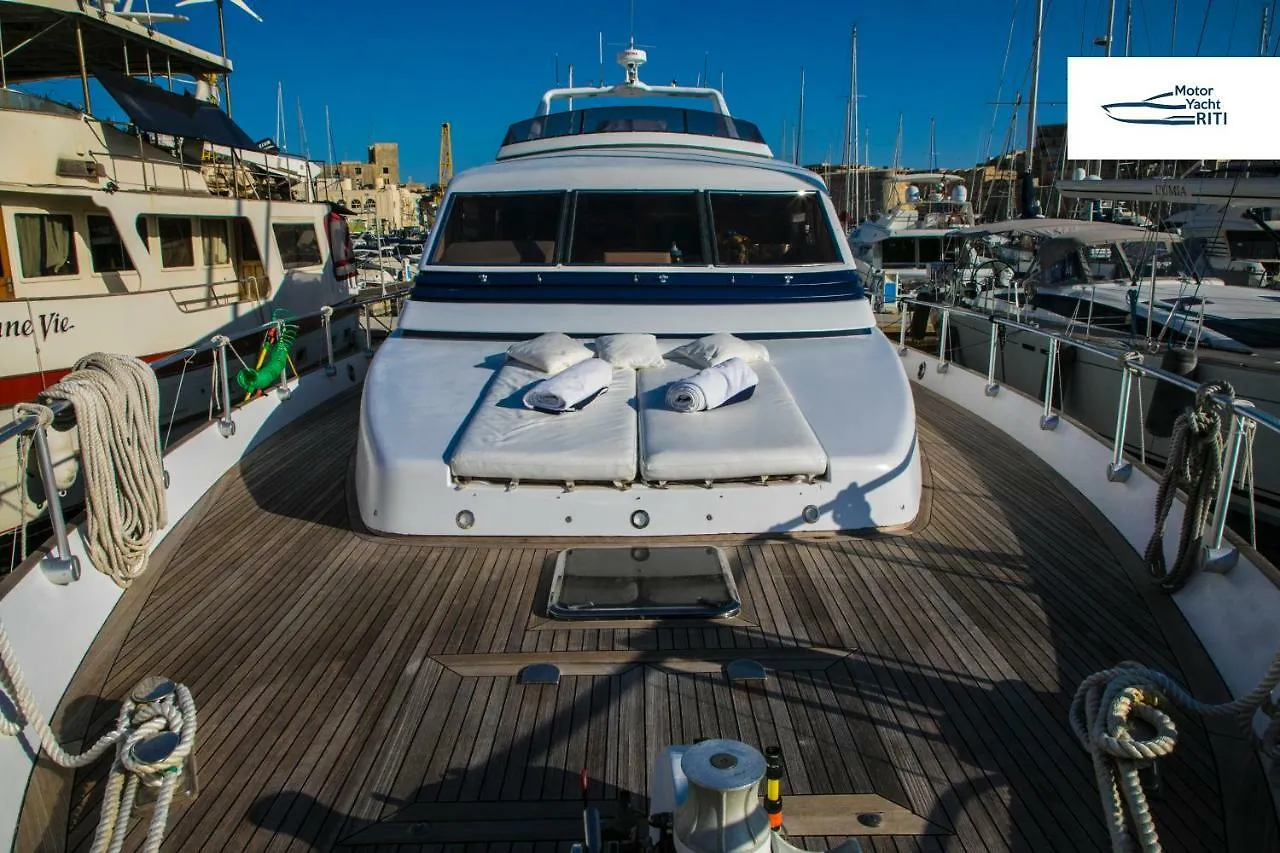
pixel 106 250
pixel 175 241
pixel 636 228
pixel 46 244
pixel 898 250
pixel 756 228
pixel 298 244
pixel 930 250
pixel 511 228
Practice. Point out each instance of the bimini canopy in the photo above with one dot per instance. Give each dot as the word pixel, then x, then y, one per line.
pixel 38 38
pixel 158 111
pixel 1074 229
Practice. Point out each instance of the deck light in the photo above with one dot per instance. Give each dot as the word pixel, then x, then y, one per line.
pixel 639 519
pixel 810 514
pixel 465 519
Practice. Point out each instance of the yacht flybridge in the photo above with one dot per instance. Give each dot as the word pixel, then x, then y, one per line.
pixel 656 220
pixel 579 561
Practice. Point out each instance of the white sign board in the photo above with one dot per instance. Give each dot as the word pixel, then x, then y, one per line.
pixel 1172 108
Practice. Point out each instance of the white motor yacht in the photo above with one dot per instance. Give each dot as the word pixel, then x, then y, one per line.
pixel 396 609
pixel 148 238
pixel 653 218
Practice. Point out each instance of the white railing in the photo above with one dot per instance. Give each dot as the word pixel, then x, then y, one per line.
pixel 1215 556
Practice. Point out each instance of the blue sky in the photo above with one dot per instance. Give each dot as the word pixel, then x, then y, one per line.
pixel 393 70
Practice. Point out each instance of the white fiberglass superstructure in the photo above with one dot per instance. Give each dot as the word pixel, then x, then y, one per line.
pixel 655 219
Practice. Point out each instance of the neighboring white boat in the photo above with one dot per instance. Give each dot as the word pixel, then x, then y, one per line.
pixel 904 242
pixel 1126 288
pixel 123 240
pixel 644 218
pixel 1229 224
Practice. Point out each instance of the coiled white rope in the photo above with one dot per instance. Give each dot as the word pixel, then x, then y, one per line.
pixel 117 406
pixel 141 718
pixel 1102 714
pixel 1194 466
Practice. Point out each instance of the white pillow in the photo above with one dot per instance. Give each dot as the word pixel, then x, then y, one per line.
pixel 722 346
pixel 629 350
pixel 550 353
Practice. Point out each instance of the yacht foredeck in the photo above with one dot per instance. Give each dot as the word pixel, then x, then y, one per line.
pixel 359 692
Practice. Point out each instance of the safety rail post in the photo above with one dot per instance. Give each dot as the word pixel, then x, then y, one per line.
pixel 904 317
pixel 943 364
pixel 1118 470
pixel 65 567
pixel 368 330
pixel 992 388
pixel 326 317
pixel 226 425
pixel 1215 557
pixel 1048 420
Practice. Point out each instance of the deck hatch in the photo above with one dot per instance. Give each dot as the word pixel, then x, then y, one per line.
pixel 642 583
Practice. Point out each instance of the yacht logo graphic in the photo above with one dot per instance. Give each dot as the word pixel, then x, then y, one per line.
pixel 1151 111
pixel 1183 105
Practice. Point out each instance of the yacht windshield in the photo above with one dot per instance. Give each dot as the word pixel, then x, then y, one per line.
pixel 637 228
pixel 763 228
pixel 508 228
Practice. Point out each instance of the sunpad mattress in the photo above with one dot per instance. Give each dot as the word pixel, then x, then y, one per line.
pixel 764 436
pixel 505 441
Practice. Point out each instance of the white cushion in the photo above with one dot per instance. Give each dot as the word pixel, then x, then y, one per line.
pixel 764 436
pixel 550 353
pixel 722 346
pixel 505 441
pixel 629 350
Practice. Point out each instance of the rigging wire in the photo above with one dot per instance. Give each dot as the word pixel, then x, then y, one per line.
pixel 1204 24
pixel 1004 66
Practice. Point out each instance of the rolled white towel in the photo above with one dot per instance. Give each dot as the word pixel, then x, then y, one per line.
pixel 572 388
pixel 726 382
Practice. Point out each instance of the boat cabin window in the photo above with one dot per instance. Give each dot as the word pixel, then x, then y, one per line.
pixel 771 228
pixel 106 249
pixel 929 250
pixel 46 244
pixel 1253 245
pixel 216 243
pixel 176 249
pixel 507 228
pixel 636 228
pixel 298 244
pixel 898 251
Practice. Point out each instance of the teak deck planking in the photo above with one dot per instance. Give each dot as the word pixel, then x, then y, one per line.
pixel 358 692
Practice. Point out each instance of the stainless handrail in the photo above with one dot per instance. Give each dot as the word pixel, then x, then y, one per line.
pixel 1115 354
pixel 64 567
pixel 1214 555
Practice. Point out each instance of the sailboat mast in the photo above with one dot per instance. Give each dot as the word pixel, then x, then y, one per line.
pixel 853 96
pixel 800 122
pixel 1263 37
pixel 933 151
pixel 1128 24
pixel 1111 25
pixel 1030 208
pixel 849 142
